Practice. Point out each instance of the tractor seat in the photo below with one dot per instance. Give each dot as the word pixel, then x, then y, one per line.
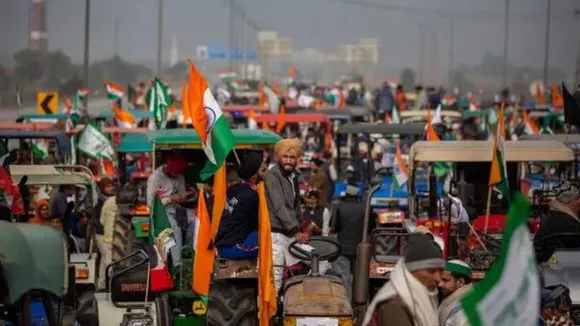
pixel 130 287
pixel 239 268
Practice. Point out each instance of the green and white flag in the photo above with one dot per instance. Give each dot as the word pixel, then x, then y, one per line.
pixel 40 149
pixel 94 143
pixel 509 294
pixel 158 100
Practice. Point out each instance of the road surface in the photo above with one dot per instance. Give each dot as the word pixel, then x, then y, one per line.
pixel 10 114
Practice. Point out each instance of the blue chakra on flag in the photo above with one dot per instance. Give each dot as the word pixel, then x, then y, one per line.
pixel 211 117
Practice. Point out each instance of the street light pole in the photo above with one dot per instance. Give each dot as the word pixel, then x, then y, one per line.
pixel 547 45
pixel 451 50
pixel 86 45
pixel 159 36
pixel 577 70
pixel 505 43
pixel 231 49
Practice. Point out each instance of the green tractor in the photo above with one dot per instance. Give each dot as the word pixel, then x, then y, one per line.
pixel 234 287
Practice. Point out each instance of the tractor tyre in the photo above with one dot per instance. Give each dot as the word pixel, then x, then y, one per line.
pixel 232 304
pixel 163 310
pixel 123 236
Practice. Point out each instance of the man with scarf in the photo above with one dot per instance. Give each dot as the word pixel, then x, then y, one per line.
pixel 555 305
pixel 168 182
pixel 561 218
pixel 237 236
pixel 455 284
pixel 410 296
pixel 283 197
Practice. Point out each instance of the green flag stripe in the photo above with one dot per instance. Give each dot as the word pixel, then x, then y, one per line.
pixel 222 142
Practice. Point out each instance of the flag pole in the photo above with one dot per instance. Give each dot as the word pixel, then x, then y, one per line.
pixel 488 208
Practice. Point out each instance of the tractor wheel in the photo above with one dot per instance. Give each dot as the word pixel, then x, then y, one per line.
pixel 232 304
pixel 123 236
pixel 163 310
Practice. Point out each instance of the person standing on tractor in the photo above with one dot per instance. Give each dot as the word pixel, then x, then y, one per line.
pixel 283 198
pixel 349 228
pixel 455 284
pixel 104 239
pixel 168 182
pixel 237 236
pixel 410 296
pixel 561 218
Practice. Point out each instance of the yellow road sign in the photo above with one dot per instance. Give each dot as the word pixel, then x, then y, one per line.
pixel 47 102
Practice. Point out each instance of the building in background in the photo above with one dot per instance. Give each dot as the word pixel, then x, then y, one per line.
pixel 37 36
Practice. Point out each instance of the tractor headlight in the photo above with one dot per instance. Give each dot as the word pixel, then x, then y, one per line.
pixel 390 217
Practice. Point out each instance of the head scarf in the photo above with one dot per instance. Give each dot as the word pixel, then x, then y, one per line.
pixel 292 146
pixel 176 164
pixel 39 204
pixel 566 191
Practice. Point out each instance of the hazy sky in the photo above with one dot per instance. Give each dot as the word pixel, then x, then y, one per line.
pixel 310 23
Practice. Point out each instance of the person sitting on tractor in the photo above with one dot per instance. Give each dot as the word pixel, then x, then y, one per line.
pixel 410 296
pixel 283 197
pixel 319 180
pixel 42 215
pixel 59 200
pixel 455 283
pixel 561 218
pixel 237 236
pixel 168 182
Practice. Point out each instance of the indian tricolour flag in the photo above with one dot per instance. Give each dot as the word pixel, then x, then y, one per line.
pixel 510 292
pixel 530 126
pixel 498 174
pixel 40 149
pixel 114 91
pixel 400 172
pixel 227 76
pixel 124 118
pixel 82 93
pixel 208 120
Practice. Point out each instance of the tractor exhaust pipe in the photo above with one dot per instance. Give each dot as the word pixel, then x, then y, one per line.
pixel 363 256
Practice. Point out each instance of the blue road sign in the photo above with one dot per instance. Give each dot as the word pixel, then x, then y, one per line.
pixel 217 51
pixel 251 55
pixel 237 54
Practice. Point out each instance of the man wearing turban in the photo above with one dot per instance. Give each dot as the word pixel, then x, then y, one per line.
pixel 168 183
pixel 282 196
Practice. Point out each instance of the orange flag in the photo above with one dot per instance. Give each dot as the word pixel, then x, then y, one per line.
pixel 281 119
pixel 266 291
pixel 431 134
pixel 219 198
pixel 185 104
pixel 204 256
pixel 292 71
pixel 557 99
pixel 262 98
pixel 196 88
pixel 539 95
pixel 108 168
pixel 124 118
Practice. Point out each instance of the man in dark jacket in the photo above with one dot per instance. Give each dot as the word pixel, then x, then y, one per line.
pixel 562 218
pixel 283 199
pixel 348 226
pixel 237 236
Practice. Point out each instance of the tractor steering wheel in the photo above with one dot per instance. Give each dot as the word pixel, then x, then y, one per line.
pixel 327 249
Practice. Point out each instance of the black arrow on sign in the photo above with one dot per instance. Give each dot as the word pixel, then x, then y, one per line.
pixel 45 102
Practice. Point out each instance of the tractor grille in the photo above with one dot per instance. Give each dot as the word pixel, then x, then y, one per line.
pixel 480 260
